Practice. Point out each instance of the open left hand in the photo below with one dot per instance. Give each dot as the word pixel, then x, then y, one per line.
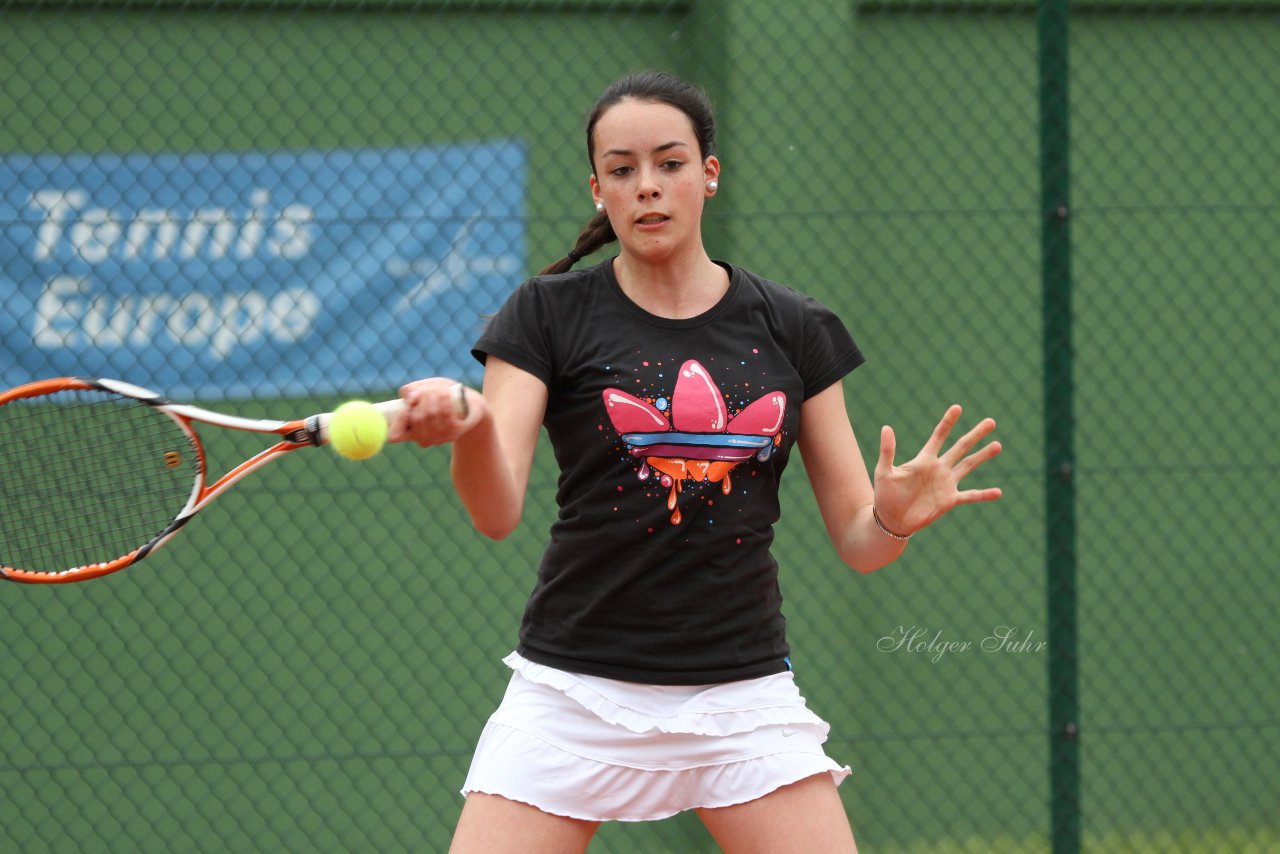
pixel 919 492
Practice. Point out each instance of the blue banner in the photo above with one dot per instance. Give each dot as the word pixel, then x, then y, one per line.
pixel 257 274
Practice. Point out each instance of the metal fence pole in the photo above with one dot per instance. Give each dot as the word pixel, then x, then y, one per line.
pixel 1064 748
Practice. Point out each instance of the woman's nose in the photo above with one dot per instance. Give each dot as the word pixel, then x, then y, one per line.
pixel 648 186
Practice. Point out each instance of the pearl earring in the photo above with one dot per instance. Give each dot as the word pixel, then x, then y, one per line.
pixel 712 186
pixel 600 207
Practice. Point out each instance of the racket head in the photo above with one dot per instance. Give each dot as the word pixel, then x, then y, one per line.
pixel 92 478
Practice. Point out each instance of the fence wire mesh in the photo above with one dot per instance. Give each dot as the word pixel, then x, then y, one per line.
pixel 267 208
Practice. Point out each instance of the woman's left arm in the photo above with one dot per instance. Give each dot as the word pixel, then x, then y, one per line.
pixel 906 498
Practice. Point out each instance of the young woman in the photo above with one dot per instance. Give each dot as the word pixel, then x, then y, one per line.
pixel 652 674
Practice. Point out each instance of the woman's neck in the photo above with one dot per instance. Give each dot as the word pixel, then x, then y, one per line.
pixel 674 290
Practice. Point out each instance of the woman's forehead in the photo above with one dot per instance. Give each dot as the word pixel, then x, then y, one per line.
pixel 632 125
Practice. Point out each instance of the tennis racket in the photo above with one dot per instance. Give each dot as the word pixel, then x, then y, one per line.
pixel 97 474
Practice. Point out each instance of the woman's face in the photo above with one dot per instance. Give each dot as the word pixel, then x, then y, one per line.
pixel 651 178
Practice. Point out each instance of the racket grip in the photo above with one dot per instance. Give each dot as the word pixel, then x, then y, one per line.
pixel 390 409
pixel 318 426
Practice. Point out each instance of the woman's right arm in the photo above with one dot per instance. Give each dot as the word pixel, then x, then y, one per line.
pixel 492 447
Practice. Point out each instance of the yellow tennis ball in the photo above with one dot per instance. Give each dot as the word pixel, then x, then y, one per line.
pixel 357 430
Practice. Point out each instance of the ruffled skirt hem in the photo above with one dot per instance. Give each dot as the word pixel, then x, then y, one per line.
pixel 523 768
pixel 599 750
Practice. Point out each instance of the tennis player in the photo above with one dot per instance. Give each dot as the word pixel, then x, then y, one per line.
pixel 652 674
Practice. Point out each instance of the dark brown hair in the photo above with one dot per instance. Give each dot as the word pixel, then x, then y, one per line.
pixel 656 86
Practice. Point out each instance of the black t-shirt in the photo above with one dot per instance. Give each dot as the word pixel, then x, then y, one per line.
pixel 671 436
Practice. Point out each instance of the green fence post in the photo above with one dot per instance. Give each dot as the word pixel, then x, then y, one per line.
pixel 709 25
pixel 1064 746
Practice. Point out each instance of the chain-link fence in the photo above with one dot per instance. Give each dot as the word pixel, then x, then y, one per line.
pixel 271 207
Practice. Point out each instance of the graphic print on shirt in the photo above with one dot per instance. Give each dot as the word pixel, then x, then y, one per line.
pixel 699 442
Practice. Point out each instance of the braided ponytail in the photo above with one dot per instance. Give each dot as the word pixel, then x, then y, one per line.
pixel 596 234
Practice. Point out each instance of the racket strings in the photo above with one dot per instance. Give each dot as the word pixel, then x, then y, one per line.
pixel 88 477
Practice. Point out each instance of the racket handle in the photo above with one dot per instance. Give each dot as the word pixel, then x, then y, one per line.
pixel 390 409
pixel 319 428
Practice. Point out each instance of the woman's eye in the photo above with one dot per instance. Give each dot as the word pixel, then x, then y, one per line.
pixel 672 165
pixel 619 171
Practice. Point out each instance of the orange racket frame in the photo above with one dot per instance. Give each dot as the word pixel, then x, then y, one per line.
pixel 302 433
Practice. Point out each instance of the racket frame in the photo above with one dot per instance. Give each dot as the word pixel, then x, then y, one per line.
pixel 302 433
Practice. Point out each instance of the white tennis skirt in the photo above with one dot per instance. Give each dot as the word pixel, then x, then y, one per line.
pixel 603 750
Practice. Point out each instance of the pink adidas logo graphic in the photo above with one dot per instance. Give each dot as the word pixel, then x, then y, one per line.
pixel 700 443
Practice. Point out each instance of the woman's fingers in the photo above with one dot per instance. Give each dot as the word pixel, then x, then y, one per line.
pixel 975 496
pixel 888 447
pixel 435 411
pixel 940 433
pixel 972 461
pixel 956 454
pixel 398 430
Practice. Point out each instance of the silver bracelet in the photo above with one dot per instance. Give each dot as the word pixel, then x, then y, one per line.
pixel 876 515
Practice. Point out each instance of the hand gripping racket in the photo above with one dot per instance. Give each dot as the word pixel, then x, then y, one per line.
pixel 97 474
